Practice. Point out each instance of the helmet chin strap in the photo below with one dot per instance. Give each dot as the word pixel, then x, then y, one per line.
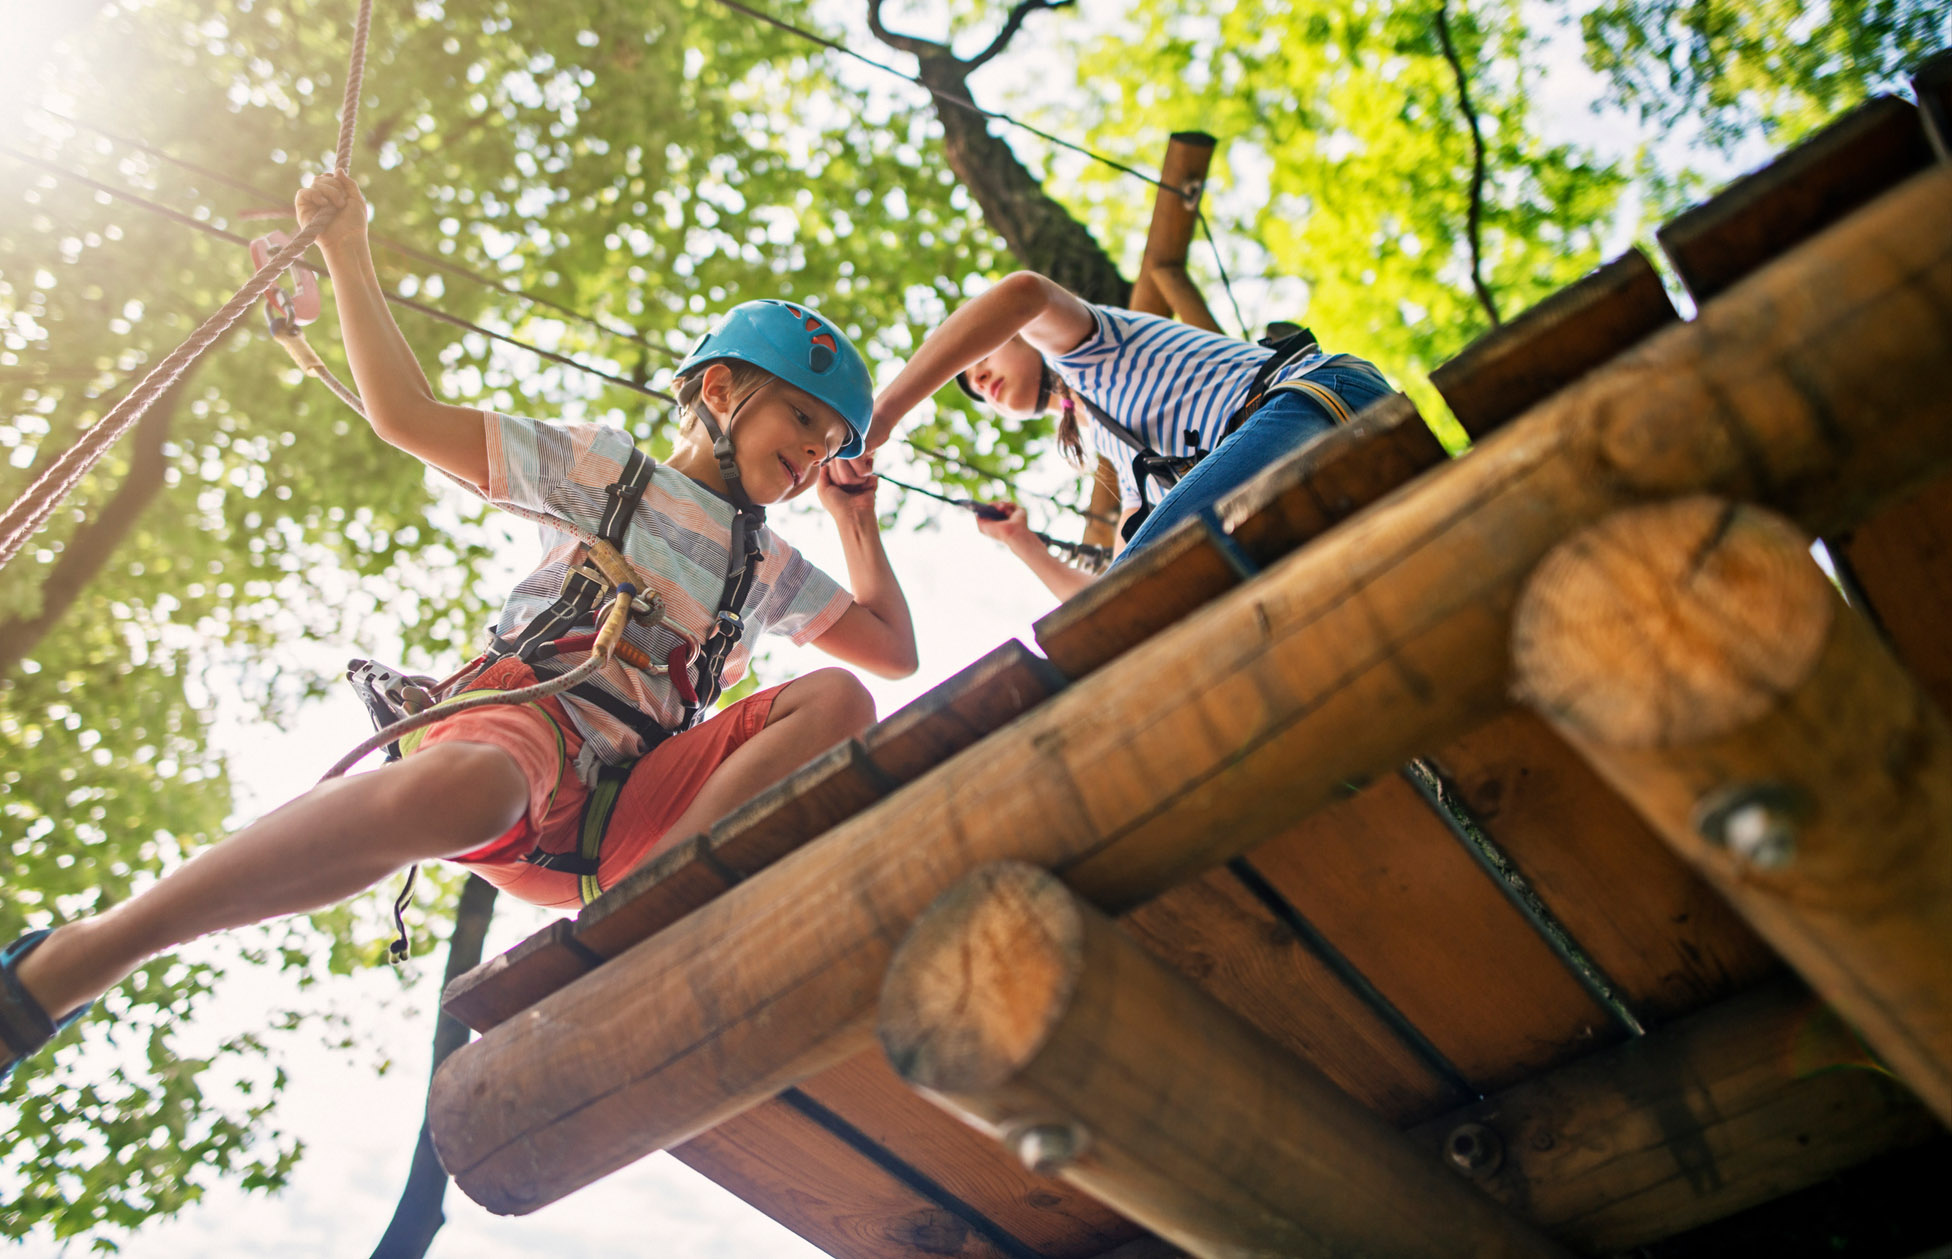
pixel 728 466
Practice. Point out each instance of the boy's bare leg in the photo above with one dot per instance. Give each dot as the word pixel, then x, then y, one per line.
pixel 811 714
pixel 337 839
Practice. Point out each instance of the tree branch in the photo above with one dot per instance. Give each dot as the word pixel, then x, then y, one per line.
pixel 911 44
pixel 1021 10
pixel 1476 213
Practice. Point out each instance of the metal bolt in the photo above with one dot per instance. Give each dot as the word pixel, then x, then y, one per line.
pixel 1757 822
pixel 1049 1148
pixel 1474 1149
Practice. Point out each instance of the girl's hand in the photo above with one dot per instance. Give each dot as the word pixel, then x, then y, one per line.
pixel 847 492
pixel 336 191
pixel 1012 529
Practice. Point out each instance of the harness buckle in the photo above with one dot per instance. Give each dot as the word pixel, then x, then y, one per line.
pixel 730 624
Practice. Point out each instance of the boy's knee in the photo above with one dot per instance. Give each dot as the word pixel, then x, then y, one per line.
pixel 839 699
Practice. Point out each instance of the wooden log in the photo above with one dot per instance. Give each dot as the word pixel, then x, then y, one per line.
pixel 1183 296
pixel 1817 385
pixel 1521 363
pixel 1697 656
pixel 1898 558
pixel 1027 1012
pixel 1736 1105
pixel 1763 214
pixel 1175 211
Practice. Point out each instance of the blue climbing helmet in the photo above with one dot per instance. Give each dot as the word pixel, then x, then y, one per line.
pixel 795 344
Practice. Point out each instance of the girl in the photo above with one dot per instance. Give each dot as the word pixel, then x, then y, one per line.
pixel 1163 401
pixel 774 394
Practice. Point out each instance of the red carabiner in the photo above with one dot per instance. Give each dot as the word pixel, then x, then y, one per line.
pixel 299 304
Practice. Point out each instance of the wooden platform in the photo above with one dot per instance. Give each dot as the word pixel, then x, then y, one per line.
pixel 1487 948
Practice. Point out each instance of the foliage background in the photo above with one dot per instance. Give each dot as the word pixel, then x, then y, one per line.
pixel 649 162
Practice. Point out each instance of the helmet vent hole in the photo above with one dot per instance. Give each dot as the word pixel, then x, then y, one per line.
pixel 820 358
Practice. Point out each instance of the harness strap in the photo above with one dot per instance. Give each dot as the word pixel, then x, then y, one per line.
pixel 581 590
pixel 1286 351
pixel 597 808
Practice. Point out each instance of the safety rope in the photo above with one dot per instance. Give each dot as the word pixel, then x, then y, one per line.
pixel 31 511
pixel 1014 491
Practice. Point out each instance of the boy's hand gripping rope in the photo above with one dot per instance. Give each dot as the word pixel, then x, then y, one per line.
pixel 32 510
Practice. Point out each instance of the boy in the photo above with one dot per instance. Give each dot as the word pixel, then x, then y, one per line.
pixel 774 395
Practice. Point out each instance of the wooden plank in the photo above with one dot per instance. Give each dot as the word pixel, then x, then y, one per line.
pixel 815 1183
pixel 1772 210
pixel 1774 743
pixel 1217 935
pixel 1018 1006
pixel 816 797
pixel 1330 479
pixel 1385 638
pixel 1179 573
pixel 1900 559
pixel 987 695
pixel 653 896
pixel 505 985
pixel 1527 360
pixel 1736 1105
pixel 1384 879
pixel 1668 941
pixel 1050 1217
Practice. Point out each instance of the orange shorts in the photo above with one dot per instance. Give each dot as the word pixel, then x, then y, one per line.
pixel 544 743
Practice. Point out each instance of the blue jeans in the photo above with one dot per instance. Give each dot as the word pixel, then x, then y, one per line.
pixel 1290 420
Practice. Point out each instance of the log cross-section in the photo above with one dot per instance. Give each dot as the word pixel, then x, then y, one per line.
pixel 1694 652
pixel 1816 385
pixel 1032 1016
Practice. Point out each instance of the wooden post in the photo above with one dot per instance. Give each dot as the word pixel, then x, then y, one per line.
pixel 1384 638
pixel 1759 1096
pixel 1033 1017
pixel 1174 212
pixel 1694 652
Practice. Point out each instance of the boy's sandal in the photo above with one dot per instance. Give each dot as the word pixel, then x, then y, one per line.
pixel 24 1026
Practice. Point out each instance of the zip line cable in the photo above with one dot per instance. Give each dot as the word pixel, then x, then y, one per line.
pixel 400 247
pixel 209 229
pixel 969 105
pixel 1084 553
pixel 943 457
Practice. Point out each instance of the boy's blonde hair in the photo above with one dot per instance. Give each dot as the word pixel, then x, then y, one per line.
pixel 746 381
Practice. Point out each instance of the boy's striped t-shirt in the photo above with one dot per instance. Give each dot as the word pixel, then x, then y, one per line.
pixel 1174 385
pixel 676 544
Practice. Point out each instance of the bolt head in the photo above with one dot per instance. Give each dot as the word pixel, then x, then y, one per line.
pixel 1474 1149
pixel 1755 822
pixel 1049 1148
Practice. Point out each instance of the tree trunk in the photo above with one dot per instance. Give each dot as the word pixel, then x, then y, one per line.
pixel 1037 228
pixel 419 1216
pixel 89 549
